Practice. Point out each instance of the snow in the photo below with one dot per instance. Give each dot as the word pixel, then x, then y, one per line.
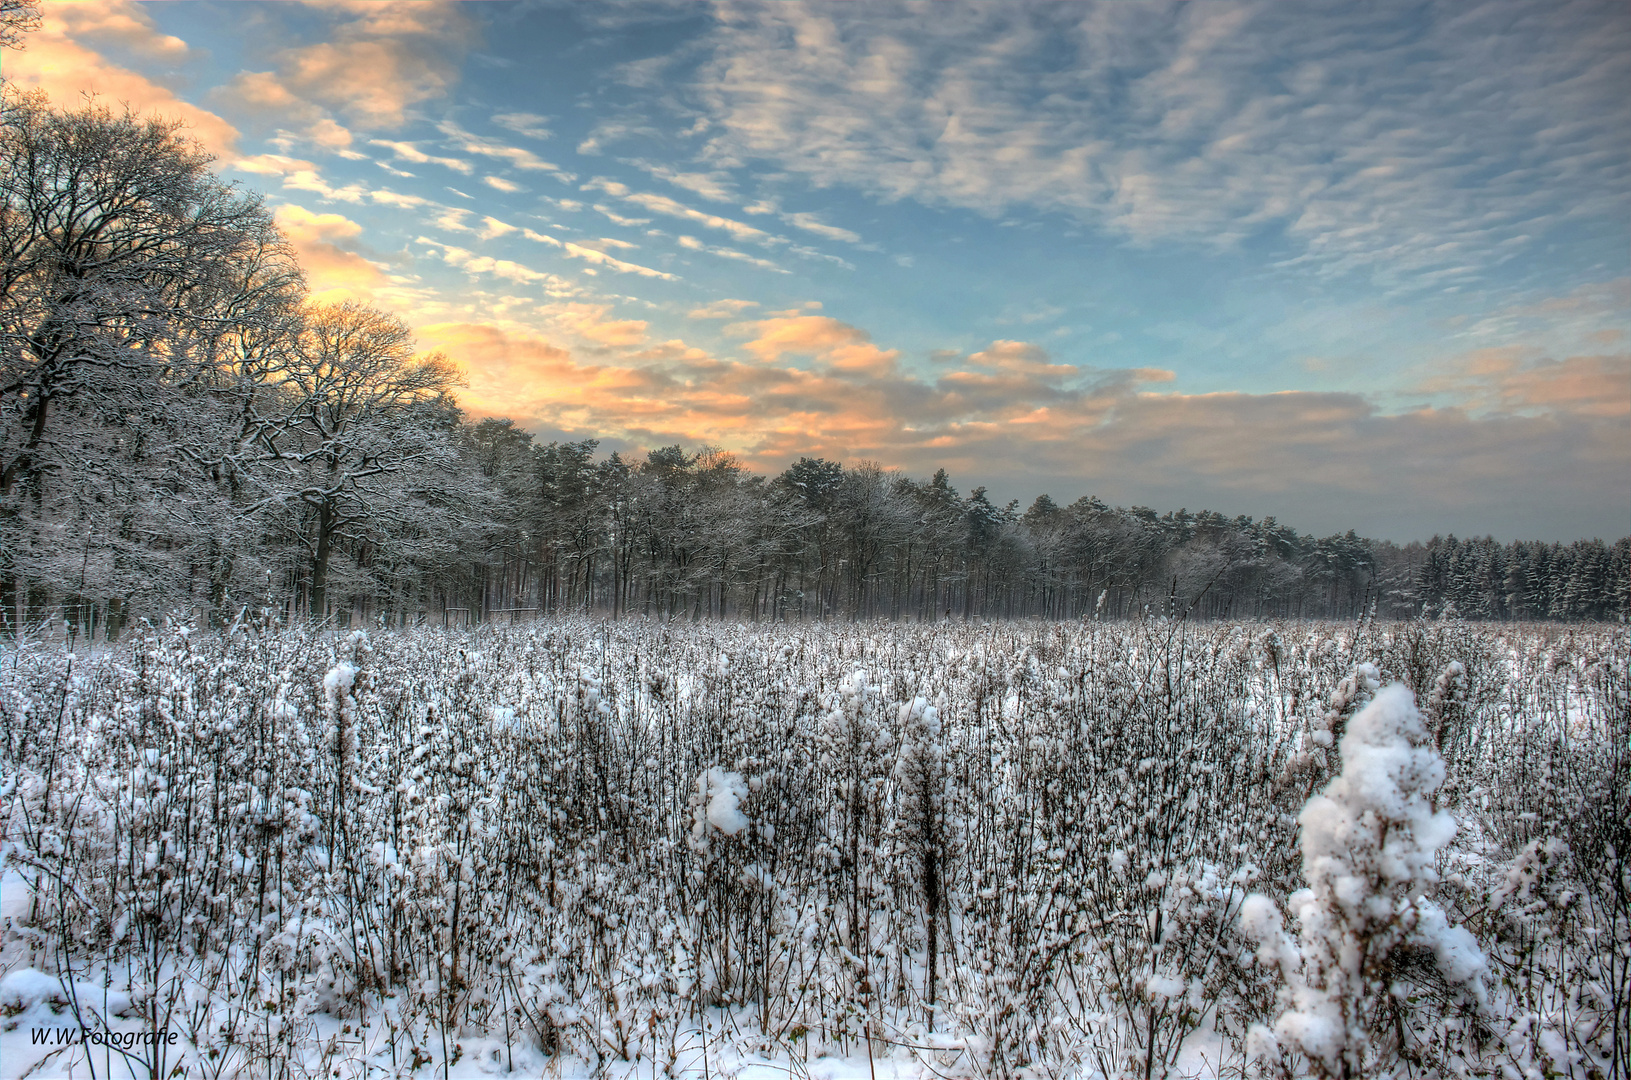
pixel 337 683
pixel 724 792
pixel 1378 813
pixel 1370 843
pixel 1455 950
pixel 25 988
pixel 618 839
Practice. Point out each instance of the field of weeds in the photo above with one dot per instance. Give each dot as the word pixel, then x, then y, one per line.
pixel 642 848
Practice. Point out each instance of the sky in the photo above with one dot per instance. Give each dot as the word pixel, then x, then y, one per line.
pixel 1355 266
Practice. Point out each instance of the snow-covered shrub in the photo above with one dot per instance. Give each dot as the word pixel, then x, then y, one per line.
pixel 920 829
pixel 1370 842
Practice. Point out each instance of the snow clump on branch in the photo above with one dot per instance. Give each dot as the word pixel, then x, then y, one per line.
pixel 721 794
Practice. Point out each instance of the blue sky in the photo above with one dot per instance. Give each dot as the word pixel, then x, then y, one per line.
pixel 1355 266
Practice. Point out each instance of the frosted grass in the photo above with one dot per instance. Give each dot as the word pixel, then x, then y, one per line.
pixel 961 850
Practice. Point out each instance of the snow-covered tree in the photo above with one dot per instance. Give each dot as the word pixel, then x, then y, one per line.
pixel 126 266
pixel 357 412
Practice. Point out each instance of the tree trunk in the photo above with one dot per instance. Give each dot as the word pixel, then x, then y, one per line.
pixel 319 561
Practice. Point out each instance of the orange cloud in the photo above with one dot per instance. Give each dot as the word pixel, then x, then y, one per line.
pixel 333 273
pixel 844 347
pixel 661 394
pixel 373 81
pixel 1505 379
pixel 721 309
pixel 589 322
pixel 379 61
pixel 377 64
pixel 524 375
pixel 1022 357
pixel 1009 416
pixel 56 60
pixel 119 21
pixel 1592 385
pixel 262 90
pixel 765 410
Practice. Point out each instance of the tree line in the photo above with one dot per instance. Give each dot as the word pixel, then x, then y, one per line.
pixel 182 429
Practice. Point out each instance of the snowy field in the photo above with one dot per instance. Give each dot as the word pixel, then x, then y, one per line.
pixel 641 849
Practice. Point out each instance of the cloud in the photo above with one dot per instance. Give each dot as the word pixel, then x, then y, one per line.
pixel 715 186
pixel 303 179
pixel 612 130
pixel 452 219
pixel 407 151
pixel 618 219
pixel 264 96
pixel 1506 380
pixel 491 227
pixel 811 223
pixel 506 186
pixel 1012 417
pixel 1588 385
pixel 597 257
pixel 373 82
pixel 659 394
pixel 589 322
pixel 265 92
pixel 324 132
pixel 722 309
pixel 121 23
pixel 401 18
pixel 273 165
pixel 845 347
pixel 600 258
pixel 387 197
pixel 485 265
pixel 1039 312
pixel 1403 142
pixel 300 224
pixel 503 369
pixel 1593 298
pixel 323 242
pixel 1024 358
pixel 1589 316
pixel 376 62
pixel 804 252
pixel 531 376
pixel 56 61
pixel 1328 461
pixel 523 123
pixel 516 156
pixel 662 204
pixel 691 243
